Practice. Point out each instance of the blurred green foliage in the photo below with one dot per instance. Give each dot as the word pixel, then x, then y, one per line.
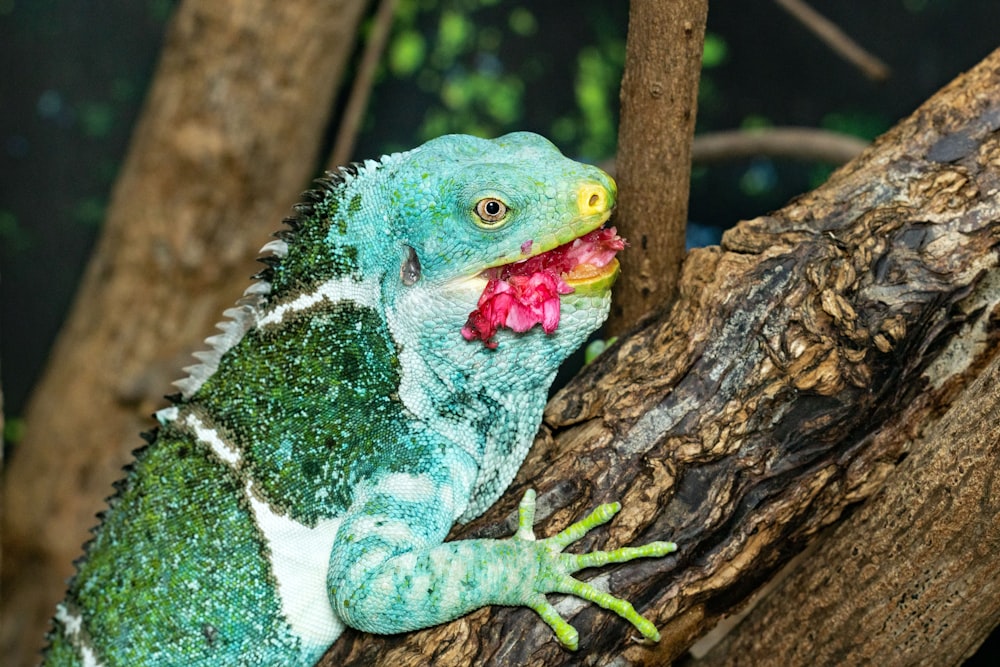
pixel 472 61
pixel 12 233
pixel 599 71
pixel 407 53
pixel 13 430
pixel 74 81
pixel 714 52
pixel 595 347
pixel 97 119
pixel 89 211
pixel 859 123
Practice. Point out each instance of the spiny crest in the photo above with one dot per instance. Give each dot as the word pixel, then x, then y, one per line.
pixel 119 486
pixel 304 211
pixel 311 218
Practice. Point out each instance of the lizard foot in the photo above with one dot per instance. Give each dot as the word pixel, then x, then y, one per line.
pixel 556 567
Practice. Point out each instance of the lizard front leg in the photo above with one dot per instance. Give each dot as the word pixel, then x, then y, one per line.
pixel 392 575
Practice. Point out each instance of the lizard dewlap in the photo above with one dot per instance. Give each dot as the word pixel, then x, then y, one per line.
pixel 306 475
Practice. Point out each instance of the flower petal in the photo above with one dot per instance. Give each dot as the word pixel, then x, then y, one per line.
pixel 525 293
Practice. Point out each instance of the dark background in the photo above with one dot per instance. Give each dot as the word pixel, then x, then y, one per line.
pixel 74 73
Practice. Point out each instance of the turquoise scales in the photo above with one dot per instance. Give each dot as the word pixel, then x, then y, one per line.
pixel 305 477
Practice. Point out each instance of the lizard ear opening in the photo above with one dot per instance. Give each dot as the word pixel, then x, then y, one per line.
pixel 409 271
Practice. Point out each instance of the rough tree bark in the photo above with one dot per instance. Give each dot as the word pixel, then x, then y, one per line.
pixel 230 133
pixel 901 565
pixel 799 364
pixel 659 97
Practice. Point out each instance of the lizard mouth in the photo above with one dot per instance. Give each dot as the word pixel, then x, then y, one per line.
pixel 579 262
pixel 524 293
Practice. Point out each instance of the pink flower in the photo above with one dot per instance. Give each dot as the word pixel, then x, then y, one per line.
pixel 520 295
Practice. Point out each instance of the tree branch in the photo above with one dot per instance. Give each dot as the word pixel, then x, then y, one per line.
pixel 792 143
pixel 789 143
pixel 914 570
pixel 659 97
pixel 361 89
pixel 798 363
pixel 838 41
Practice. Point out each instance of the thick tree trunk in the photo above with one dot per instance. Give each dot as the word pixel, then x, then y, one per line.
pixel 912 576
pixel 799 364
pixel 229 134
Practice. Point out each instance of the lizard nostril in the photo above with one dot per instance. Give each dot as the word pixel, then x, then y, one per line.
pixel 593 199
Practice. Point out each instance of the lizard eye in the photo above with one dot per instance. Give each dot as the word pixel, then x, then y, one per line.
pixel 491 211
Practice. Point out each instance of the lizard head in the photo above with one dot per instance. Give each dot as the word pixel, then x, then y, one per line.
pixel 501 240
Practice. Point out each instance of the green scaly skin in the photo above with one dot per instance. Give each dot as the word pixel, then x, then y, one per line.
pixel 306 475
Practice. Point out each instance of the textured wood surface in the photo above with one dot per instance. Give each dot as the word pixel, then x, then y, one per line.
pixel 800 361
pixel 911 578
pixel 225 142
pixel 659 99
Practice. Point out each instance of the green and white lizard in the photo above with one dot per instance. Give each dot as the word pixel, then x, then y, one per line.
pixel 382 379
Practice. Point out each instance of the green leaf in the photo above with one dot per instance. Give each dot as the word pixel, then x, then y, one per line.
pixel 13 236
pixel 407 53
pixel 454 33
pixel 90 211
pixel 13 430
pixel 755 122
pixel 596 347
pixel 96 119
pixel 597 97
pixel 522 22
pixel 714 52
pixel 862 124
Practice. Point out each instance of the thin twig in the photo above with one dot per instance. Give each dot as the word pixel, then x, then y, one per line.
pixel 795 143
pixel 837 39
pixel 357 103
pixel 791 143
